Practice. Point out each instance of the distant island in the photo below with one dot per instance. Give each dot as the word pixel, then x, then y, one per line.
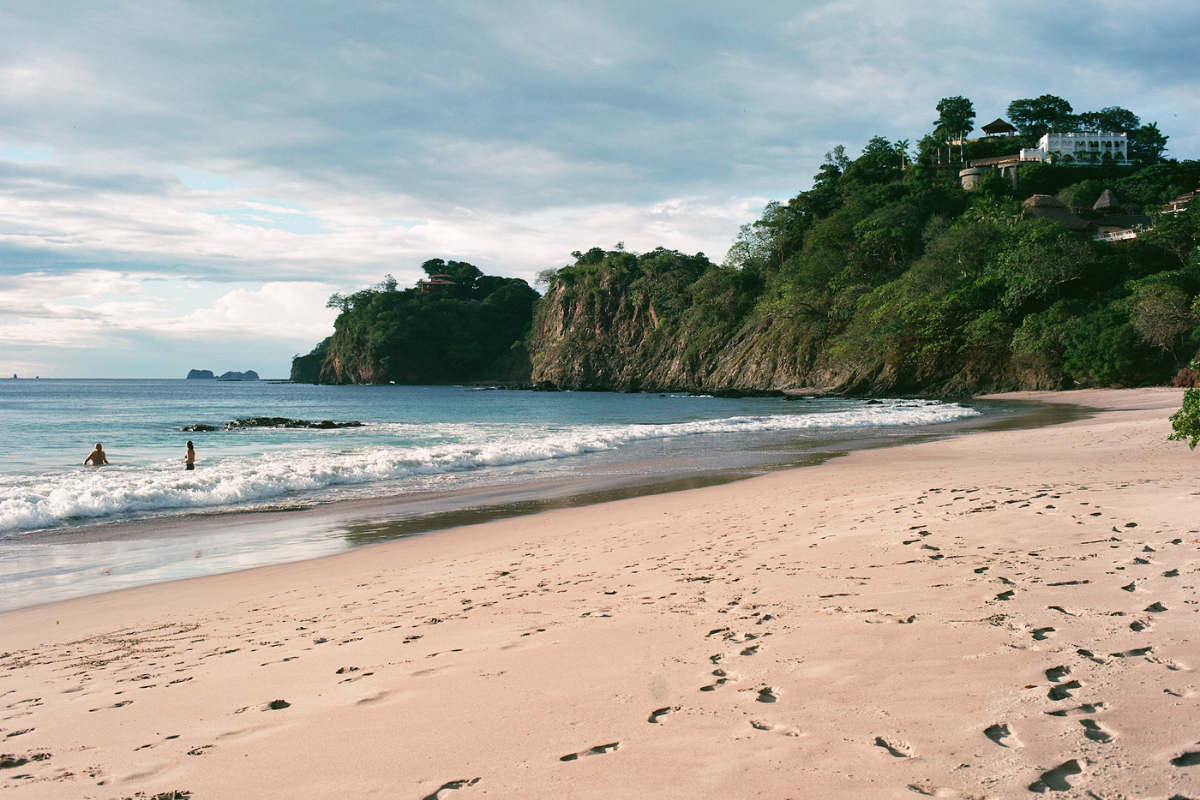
pixel 207 375
pixel 1056 251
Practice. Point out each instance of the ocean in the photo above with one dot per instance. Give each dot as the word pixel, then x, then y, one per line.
pixel 422 457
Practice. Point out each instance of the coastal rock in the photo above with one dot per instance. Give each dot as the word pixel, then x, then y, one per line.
pixel 200 374
pixel 284 422
pixel 248 375
pixel 271 422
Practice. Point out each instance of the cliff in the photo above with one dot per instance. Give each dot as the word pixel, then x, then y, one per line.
pixel 598 330
pixel 878 280
pixel 888 281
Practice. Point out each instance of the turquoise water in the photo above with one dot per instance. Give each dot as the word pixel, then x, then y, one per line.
pixel 415 441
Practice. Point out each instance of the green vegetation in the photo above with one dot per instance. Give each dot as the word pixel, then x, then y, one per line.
pixel 885 276
pixel 474 329
pixel 1186 421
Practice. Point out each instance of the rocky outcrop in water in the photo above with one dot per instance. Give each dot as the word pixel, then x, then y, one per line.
pixel 272 422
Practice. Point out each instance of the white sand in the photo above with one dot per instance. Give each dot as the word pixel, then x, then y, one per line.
pixel 995 615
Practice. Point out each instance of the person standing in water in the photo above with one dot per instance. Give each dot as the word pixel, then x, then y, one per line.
pixel 96 457
pixel 189 460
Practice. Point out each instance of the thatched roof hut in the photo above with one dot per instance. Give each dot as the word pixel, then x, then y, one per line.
pixel 1108 203
pixel 1047 206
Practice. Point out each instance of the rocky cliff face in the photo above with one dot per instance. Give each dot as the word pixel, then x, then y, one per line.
pixel 605 337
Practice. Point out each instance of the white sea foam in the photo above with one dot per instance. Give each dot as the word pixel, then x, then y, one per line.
pixel 53 499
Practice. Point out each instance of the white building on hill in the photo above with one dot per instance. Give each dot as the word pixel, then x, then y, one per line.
pixel 1087 147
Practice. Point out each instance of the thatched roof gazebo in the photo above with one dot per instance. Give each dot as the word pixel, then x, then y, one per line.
pixel 1108 203
pixel 1047 206
pixel 998 127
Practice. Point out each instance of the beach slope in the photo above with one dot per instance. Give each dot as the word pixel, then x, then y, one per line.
pixel 999 614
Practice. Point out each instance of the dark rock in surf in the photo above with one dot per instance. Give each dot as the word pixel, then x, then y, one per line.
pixel 284 422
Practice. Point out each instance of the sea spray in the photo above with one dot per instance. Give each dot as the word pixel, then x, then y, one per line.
pixel 274 476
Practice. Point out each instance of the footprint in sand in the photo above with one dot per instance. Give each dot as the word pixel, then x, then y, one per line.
pixel 658 714
pixel 1189 759
pixel 599 749
pixel 1096 732
pixel 1156 608
pixel 450 786
pixel 1085 709
pixel 929 790
pixel 1041 634
pixel 786 730
pixel 1174 666
pixel 1001 735
pixel 114 705
pixel 723 678
pixel 896 747
pixel 768 694
pixel 9 761
pixel 1138 651
pixel 1056 674
pixel 1055 780
pixel 1140 625
pixel 1063 690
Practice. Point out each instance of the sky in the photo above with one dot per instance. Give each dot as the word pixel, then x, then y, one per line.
pixel 184 184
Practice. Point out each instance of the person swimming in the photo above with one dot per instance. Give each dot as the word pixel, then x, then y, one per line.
pixel 189 460
pixel 96 457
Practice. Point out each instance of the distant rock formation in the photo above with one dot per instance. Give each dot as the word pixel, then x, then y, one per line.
pixel 207 374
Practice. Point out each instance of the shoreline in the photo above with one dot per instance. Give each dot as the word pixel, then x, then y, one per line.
pixel 990 615
pixel 109 555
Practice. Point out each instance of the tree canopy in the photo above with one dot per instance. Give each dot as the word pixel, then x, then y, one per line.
pixel 474 330
pixel 956 118
pixel 1038 116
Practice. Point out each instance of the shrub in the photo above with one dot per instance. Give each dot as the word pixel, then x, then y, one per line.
pixel 1186 421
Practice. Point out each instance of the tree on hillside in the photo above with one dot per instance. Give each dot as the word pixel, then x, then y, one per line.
pixel 1114 119
pixel 1162 315
pixel 956 118
pixel 1038 116
pixel 1147 144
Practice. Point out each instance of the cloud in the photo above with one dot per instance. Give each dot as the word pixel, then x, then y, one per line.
pixel 249 145
pixel 120 325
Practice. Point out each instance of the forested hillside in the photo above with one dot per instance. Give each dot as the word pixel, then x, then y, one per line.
pixel 473 328
pixel 885 276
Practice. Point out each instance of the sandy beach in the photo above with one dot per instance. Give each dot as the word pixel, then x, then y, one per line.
pixel 994 615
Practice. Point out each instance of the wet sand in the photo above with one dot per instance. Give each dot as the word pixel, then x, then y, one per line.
pixel 103 556
pixel 1007 613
